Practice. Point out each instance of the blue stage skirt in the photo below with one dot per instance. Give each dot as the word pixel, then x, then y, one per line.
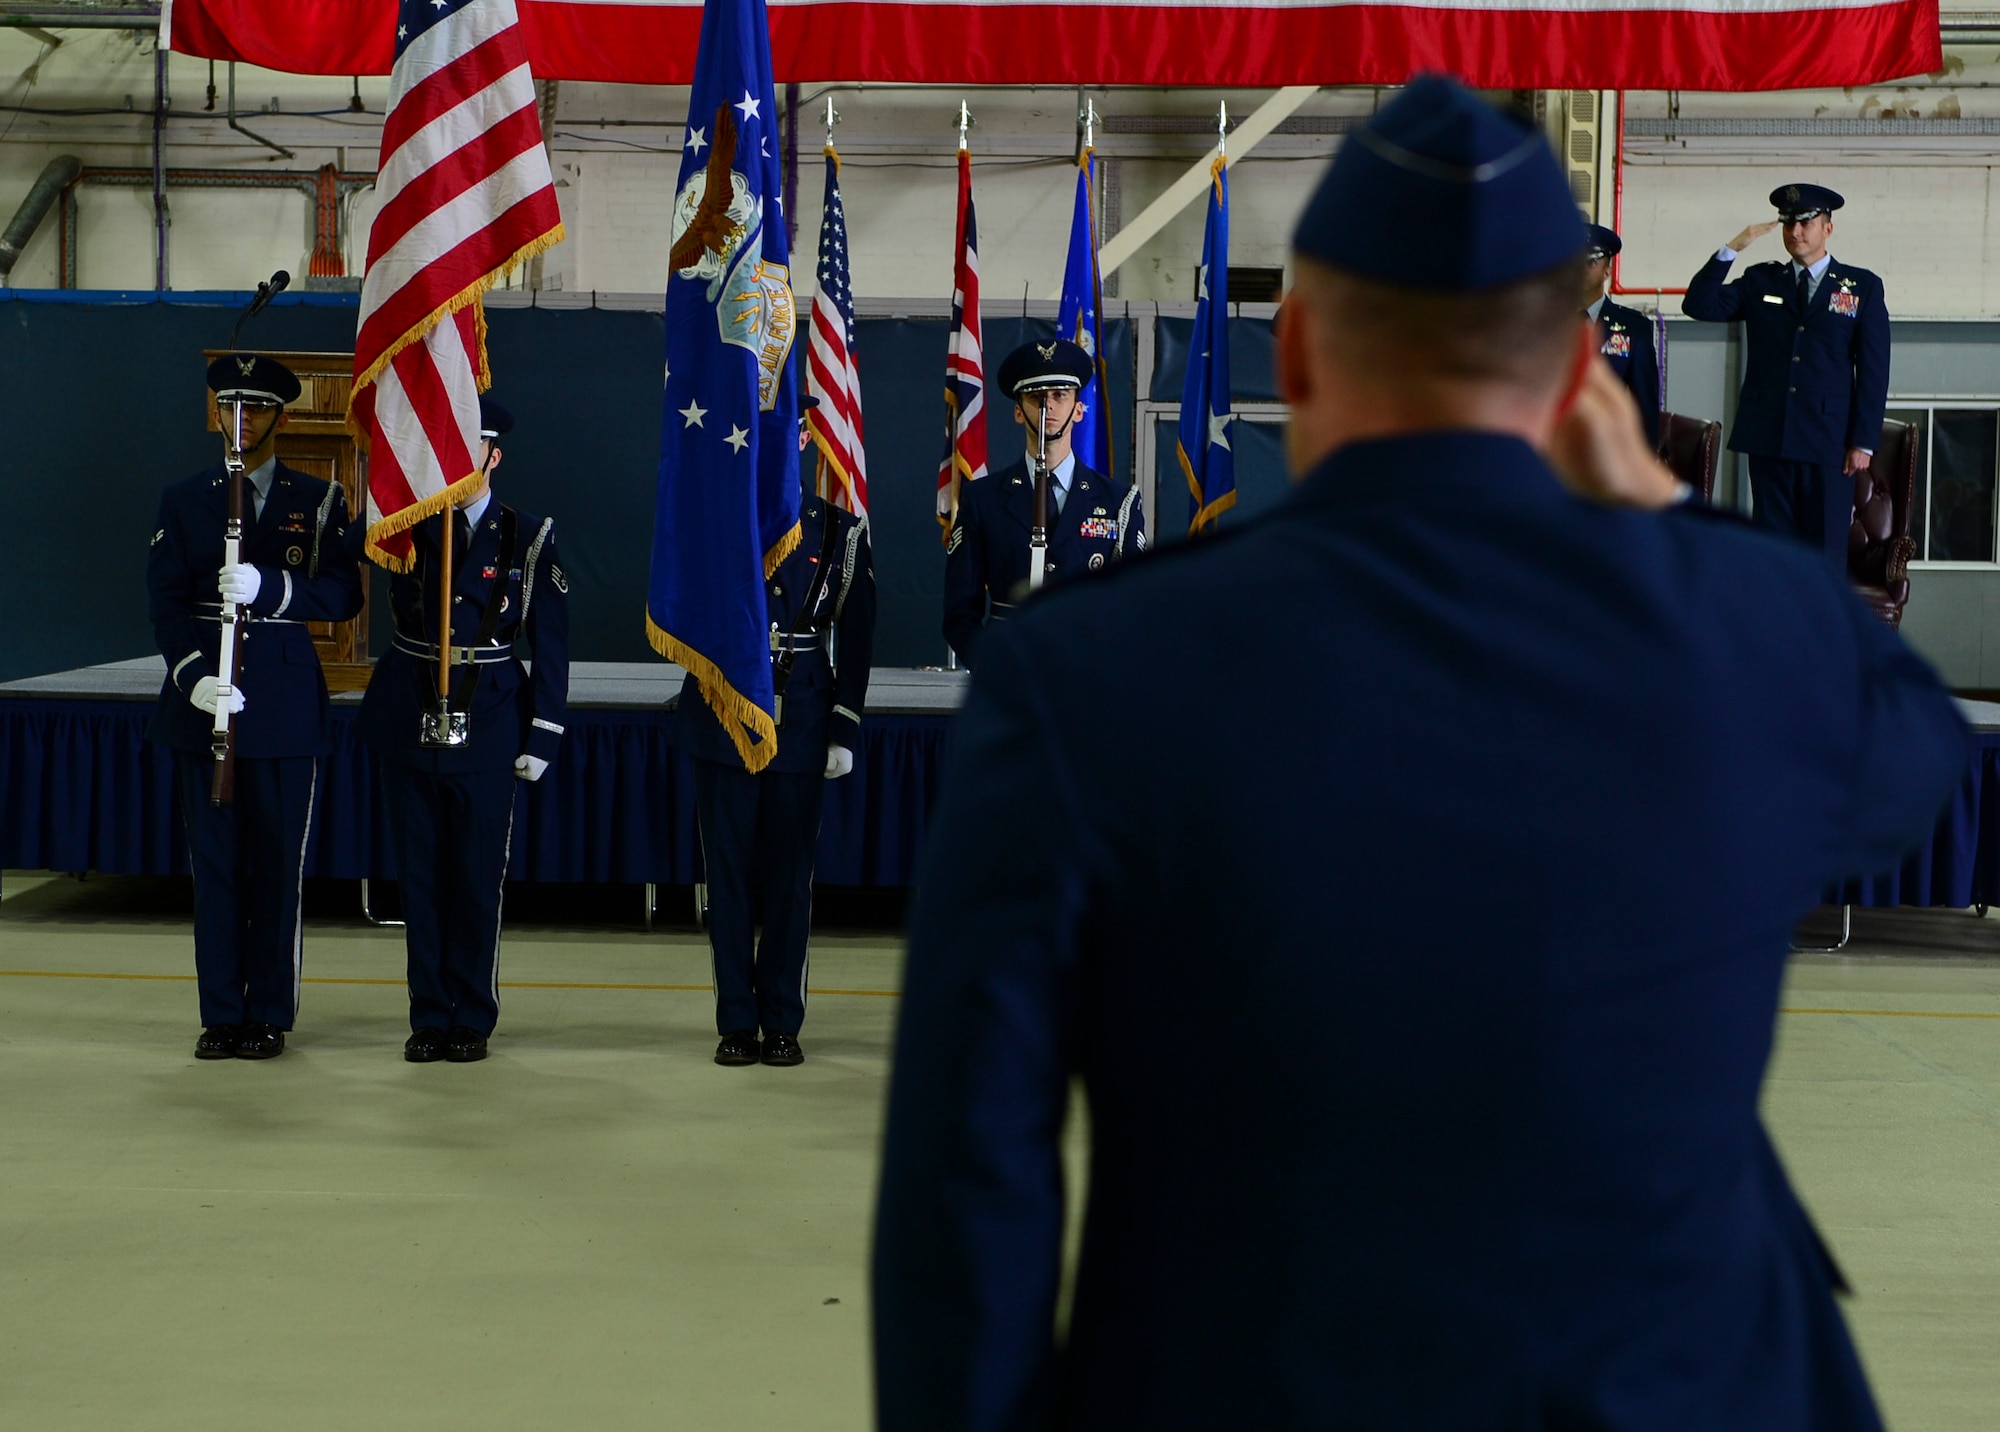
pixel 82 789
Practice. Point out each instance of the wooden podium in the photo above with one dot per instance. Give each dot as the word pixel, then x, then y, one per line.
pixel 316 441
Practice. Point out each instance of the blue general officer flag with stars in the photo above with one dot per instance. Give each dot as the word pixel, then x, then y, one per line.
pixel 1078 319
pixel 1206 457
pixel 728 509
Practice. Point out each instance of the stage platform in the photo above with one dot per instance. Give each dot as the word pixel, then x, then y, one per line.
pixel 82 789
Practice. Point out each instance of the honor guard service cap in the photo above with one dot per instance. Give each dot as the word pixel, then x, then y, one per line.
pixel 1603 243
pixel 807 400
pixel 1802 201
pixel 1443 192
pixel 493 419
pixel 252 378
pixel 1036 367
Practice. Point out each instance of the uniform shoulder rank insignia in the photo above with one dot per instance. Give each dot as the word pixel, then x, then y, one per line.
pixel 557 578
pixel 157 537
pixel 1139 542
pixel 956 540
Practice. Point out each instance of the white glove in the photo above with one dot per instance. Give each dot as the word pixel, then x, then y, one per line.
pixel 240 583
pixel 839 761
pixel 208 693
pixel 529 768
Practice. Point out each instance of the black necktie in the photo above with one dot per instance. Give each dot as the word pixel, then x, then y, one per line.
pixel 1805 289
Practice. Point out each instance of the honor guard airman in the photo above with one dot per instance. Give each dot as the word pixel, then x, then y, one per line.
pixel 453 764
pixel 1816 380
pixel 247 833
pixel 759 831
pixel 995 554
pixel 1625 336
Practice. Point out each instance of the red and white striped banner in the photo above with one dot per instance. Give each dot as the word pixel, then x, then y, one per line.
pixel 466 195
pixel 1503 44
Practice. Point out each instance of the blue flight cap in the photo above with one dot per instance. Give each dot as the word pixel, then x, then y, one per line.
pixel 1602 243
pixel 252 378
pixel 1802 201
pixel 1442 191
pixel 493 419
pixel 1034 367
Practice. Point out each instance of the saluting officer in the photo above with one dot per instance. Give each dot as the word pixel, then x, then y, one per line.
pixel 450 769
pixel 1093 519
pixel 1625 335
pixel 759 832
pixel 1817 378
pixel 294 566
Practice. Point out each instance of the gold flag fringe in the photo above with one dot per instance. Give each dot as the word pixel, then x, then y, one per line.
pixel 740 716
pixel 465 490
pixel 784 547
pixel 1205 512
pixel 471 293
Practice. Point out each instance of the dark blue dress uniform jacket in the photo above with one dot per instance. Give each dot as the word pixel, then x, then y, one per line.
pixel 512 712
pixel 986 555
pixel 826 691
pixel 1422 1016
pixel 1815 382
pixel 301 550
pixel 1626 339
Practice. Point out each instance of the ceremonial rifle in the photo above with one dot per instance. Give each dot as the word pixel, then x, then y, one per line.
pixel 1038 533
pixel 229 655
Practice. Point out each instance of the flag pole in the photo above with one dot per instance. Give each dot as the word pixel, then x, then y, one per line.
pixel 832 118
pixel 448 540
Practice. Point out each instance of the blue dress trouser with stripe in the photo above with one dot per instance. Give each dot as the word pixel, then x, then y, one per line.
pixel 758 837
pixel 249 870
pixel 1815 504
pixel 453 834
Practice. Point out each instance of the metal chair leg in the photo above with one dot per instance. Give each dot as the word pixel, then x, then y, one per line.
pixel 1846 934
pixel 369 915
pixel 650 907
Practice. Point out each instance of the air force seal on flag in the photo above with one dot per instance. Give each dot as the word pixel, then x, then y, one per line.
pixel 718 235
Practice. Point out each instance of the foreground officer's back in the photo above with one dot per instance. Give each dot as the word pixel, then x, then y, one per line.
pixel 1422 1012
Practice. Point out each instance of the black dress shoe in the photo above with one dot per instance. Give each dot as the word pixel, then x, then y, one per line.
pixel 783 1050
pixel 737 1048
pixel 218 1041
pixel 426 1046
pixel 260 1041
pixel 465 1046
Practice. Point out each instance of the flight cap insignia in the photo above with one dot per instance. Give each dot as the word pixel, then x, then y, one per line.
pixel 246 366
pixel 1047 350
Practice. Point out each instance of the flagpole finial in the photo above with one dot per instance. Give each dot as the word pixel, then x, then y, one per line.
pixel 964 123
pixel 832 118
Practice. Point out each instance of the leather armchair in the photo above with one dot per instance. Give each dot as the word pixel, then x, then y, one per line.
pixel 1691 448
pixel 1879 545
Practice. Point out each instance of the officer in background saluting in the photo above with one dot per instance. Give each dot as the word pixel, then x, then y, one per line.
pixel 1625 335
pixel 450 776
pixel 1093 519
pixel 249 856
pixel 1817 378
pixel 762 830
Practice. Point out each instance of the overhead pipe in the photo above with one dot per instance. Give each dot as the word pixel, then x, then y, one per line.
pixel 283 152
pixel 57 175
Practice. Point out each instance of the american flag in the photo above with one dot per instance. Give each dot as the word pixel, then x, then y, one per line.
pixel 832 375
pixel 466 195
pixel 965 364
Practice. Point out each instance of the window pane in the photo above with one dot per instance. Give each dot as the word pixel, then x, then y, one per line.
pixel 1964 459
pixel 1920 505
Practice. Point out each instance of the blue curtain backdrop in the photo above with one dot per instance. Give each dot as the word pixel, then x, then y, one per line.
pixel 101 401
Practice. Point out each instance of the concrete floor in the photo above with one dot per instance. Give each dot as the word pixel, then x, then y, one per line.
pixel 599 1228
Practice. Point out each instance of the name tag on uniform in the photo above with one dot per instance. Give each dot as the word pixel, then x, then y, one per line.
pixel 1844 303
pixel 1773 298
pixel 1100 527
pixel 1617 345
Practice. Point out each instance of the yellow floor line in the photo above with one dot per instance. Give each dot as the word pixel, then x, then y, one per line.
pixel 504 984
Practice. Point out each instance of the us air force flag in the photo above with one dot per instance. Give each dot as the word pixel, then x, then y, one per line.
pixel 728 509
pixel 1079 320
pixel 1206 457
